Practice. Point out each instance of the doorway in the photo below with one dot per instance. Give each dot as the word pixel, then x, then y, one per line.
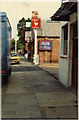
pixel 75 57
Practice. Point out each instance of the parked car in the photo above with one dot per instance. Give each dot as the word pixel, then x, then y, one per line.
pixel 15 57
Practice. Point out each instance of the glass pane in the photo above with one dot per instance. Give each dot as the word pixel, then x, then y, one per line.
pixel 13 54
pixel 65 40
pixel 65 47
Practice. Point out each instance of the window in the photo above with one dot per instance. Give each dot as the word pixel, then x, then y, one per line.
pixel 65 41
pixel 13 54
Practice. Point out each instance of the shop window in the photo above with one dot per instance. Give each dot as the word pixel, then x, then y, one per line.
pixel 65 39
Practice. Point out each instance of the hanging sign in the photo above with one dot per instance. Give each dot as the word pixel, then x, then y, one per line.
pixel 35 23
pixel 45 45
pixel 28 24
pixel 27 35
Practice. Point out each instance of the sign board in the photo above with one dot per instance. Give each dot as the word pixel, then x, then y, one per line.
pixel 45 45
pixel 28 24
pixel 26 46
pixel 27 39
pixel 34 14
pixel 35 23
pixel 27 35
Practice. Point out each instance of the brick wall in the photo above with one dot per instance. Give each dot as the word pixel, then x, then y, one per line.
pixel 55 50
pixel 49 56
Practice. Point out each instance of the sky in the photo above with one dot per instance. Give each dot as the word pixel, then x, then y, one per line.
pixel 18 9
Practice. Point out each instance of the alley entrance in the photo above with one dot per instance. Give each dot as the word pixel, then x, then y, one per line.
pixel 33 93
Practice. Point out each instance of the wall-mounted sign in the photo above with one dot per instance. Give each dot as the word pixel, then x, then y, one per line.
pixel 27 35
pixel 26 46
pixel 45 45
pixel 35 23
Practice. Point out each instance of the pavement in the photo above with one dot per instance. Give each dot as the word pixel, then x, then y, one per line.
pixel 35 94
pixel 51 68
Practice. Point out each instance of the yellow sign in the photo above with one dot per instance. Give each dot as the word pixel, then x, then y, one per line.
pixel 26 46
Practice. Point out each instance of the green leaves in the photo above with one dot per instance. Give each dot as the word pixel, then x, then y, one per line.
pixel 13 44
pixel 19 44
pixel 21 26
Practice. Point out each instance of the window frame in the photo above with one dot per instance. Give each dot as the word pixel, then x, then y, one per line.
pixel 64 25
pixel 65 39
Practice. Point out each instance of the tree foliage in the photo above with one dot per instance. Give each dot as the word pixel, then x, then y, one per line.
pixel 19 44
pixel 13 44
pixel 21 27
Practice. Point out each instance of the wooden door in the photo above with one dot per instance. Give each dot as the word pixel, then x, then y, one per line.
pixel 75 64
pixel 75 58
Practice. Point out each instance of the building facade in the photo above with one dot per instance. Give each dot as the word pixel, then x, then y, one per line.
pixel 68 53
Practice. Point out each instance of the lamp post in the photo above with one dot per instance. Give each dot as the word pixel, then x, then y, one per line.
pixel 16 44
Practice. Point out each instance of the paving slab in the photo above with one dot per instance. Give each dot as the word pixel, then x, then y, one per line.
pixel 35 115
pixel 19 116
pixel 8 113
pixel 32 109
pixel 62 112
pixel 56 99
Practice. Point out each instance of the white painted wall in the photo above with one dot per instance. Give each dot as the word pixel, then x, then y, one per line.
pixel 63 59
pixel 65 62
pixel 63 71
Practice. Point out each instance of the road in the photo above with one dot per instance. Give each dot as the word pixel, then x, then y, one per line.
pixel 33 93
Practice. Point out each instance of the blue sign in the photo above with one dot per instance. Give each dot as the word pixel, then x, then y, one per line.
pixel 45 45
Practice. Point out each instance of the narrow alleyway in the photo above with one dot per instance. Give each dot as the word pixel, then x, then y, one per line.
pixel 33 93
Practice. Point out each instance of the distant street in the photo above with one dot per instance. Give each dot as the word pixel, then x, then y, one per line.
pixel 34 93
